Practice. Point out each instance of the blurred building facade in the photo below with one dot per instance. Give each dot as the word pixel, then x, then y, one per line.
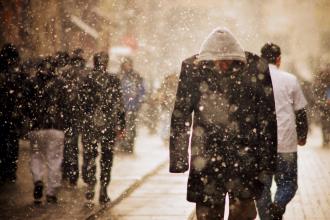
pixel 161 33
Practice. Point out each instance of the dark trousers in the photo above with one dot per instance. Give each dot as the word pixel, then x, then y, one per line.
pixel 8 155
pixel 286 182
pixel 70 156
pixel 90 142
pixel 127 144
pixel 238 210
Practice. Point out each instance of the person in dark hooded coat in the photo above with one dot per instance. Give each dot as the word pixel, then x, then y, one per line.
pixel 225 104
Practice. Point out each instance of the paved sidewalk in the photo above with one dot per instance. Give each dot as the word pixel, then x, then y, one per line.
pixel 312 201
pixel 16 201
pixel 161 197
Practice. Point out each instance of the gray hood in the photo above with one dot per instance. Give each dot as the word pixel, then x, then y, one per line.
pixel 221 45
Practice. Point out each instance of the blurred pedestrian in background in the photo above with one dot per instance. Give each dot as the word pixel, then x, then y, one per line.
pixel 321 90
pixel 163 103
pixel 133 95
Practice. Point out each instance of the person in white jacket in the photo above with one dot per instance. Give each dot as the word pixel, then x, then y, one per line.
pixel 292 128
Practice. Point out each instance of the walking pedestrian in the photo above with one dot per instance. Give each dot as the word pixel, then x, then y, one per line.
pixel 103 121
pixel 292 129
pixel 73 78
pixel 165 98
pixel 225 107
pixel 133 92
pixel 47 107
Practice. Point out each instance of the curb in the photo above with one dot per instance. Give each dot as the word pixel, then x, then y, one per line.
pixel 127 192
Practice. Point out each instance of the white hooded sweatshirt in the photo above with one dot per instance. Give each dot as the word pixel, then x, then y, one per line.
pixel 221 44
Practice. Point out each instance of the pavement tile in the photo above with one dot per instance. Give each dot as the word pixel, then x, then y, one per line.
pixel 16 201
pixel 163 196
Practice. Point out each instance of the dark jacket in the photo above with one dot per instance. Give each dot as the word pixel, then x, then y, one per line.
pixel 101 103
pixel 73 78
pixel 234 134
pixel 48 102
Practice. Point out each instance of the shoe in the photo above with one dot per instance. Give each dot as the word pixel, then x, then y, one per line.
pixel 104 198
pixel 51 199
pixel 37 192
pixel 90 192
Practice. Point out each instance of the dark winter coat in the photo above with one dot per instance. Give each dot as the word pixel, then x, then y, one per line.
pixel 73 78
pixel 233 123
pixel 48 102
pixel 101 103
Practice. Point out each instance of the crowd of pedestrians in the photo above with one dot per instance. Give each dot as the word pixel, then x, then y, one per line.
pixel 53 101
pixel 235 122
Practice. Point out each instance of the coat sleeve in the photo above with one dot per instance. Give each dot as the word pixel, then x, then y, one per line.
pixel 181 122
pixel 119 106
pixel 266 119
pixel 301 124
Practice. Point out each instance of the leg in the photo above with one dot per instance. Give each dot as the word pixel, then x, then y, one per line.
pixel 37 156
pixel 265 201
pixel 2 153
pixel 89 163
pixel 242 209
pixel 89 159
pixel 286 181
pixel 70 157
pixel 106 165
pixel 55 145
pixel 130 131
pixel 11 156
pixel 37 163
pixel 214 212
pixel 106 159
pixel 211 212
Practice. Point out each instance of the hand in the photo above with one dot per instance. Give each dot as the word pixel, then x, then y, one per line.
pixel 120 134
pixel 302 142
